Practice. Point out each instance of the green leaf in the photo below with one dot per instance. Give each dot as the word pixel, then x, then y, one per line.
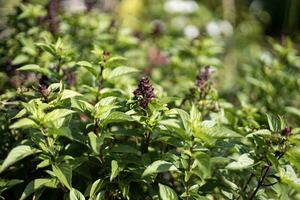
pixel 167 193
pixel 33 68
pixel 100 196
pixel 20 114
pixel 220 132
pixel 95 142
pixel 57 114
pixel 158 167
pixel 115 61
pixel 293 155
pixel 17 154
pixel 43 164
pixel 276 123
pixel 262 132
pixel 185 118
pixel 96 187
pixel 202 165
pixel 7 184
pixel 115 169
pixel 104 107
pixel 293 110
pixel 116 117
pixel 64 174
pixel 48 48
pixel 120 71
pixel 24 123
pixel 289 177
pixel 88 66
pixel 76 195
pixel 242 162
pixel 123 148
pixel 82 105
pixel 19 59
pixel 38 184
pixel 67 94
pixel 106 101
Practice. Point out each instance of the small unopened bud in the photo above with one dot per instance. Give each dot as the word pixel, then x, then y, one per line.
pixel 105 55
pixel 43 89
pixel 287 131
pixel 158 28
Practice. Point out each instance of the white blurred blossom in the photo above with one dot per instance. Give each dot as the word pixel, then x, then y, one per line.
pixel 226 28
pixel 219 28
pixel 191 31
pixel 213 29
pixel 180 6
pixel 74 5
pixel 266 57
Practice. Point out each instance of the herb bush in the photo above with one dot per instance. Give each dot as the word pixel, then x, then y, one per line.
pixel 95 109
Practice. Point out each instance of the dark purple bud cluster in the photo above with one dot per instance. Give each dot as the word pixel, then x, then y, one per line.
pixel 144 92
pixel 287 131
pixel 203 77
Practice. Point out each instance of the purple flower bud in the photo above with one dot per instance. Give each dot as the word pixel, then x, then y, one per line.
pixel 203 77
pixel 43 89
pixel 287 131
pixel 158 28
pixel 145 92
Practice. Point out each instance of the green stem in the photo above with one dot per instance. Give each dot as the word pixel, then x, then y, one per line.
pixel 187 184
pixel 246 184
pixel 147 142
pixel 100 82
pixel 260 183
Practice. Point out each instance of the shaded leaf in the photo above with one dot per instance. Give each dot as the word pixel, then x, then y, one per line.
pixel 116 117
pixel 64 174
pixel 16 154
pixel 6 184
pixel 38 184
pixel 115 169
pixel 122 148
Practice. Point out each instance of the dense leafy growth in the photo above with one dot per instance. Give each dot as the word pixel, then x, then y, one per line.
pixel 92 108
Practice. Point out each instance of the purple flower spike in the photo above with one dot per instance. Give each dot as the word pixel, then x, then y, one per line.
pixel 144 92
pixel 203 77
